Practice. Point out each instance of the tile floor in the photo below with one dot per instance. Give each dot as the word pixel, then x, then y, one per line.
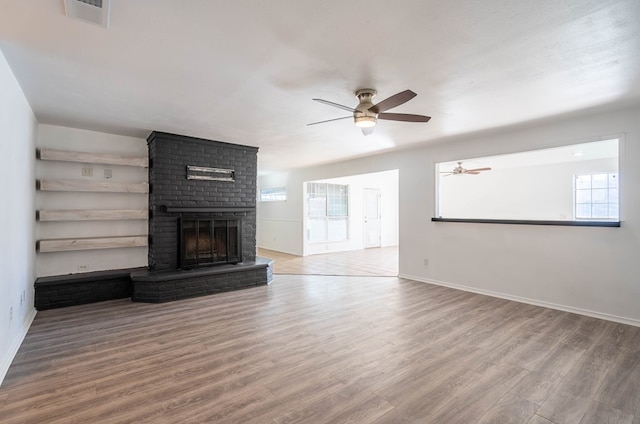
pixel 367 262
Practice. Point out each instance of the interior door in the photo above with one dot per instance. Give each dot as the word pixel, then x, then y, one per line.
pixel 372 231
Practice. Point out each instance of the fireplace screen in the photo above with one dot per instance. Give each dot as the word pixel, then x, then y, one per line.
pixel 209 242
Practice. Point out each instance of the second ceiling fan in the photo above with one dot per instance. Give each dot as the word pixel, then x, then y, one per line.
pixel 366 114
pixel 459 170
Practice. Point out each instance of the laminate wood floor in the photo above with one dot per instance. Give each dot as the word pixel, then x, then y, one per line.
pixel 381 261
pixel 317 349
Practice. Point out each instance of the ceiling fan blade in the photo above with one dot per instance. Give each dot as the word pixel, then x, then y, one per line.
pixel 330 120
pixel 367 131
pixel 393 101
pixel 406 117
pixel 478 169
pixel 339 106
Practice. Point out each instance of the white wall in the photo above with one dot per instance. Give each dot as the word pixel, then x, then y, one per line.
pixel 592 270
pixel 541 192
pixel 279 225
pixel 281 228
pixel 63 138
pixel 17 216
pixel 584 269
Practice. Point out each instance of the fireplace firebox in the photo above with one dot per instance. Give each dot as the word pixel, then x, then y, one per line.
pixel 205 242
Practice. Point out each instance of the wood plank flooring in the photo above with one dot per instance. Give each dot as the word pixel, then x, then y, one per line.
pixel 320 349
pixel 380 261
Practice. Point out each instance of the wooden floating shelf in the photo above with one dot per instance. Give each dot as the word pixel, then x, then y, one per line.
pixel 66 245
pixel 95 186
pixel 91 214
pixel 87 157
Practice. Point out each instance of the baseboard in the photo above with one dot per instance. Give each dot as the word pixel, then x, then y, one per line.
pixel 279 251
pixel 565 308
pixel 13 350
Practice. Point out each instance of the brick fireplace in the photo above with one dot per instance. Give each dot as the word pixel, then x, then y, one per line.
pixel 202 230
pixel 202 219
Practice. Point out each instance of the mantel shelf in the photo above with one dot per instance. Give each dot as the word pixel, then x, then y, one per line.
pixel 206 209
pixel 88 157
pixel 90 214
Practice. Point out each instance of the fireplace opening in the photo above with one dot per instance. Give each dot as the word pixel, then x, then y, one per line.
pixel 205 242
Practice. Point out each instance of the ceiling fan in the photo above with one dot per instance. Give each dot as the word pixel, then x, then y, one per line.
pixel 459 170
pixel 366 114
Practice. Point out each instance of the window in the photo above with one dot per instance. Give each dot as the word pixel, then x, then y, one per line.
pixel 273 194
pixel 327 212
pixel 568 185
pixel 597 196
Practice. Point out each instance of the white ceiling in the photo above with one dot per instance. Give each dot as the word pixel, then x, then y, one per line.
pixel 245 71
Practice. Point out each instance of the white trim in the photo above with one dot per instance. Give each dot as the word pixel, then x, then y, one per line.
pixel 565 308
pixel 280 220
pixel 279 251
pixel 13 350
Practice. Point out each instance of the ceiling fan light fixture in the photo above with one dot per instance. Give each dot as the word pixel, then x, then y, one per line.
pixel 365 121
pixel 366 114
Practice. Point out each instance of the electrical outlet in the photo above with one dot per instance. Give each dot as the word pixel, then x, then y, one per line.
pixel 83 267
pixel 11 313
pixel 87 172
pixel 426 262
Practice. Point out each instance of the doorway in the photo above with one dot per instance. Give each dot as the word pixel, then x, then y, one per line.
pixel 345 255
pixel 369 197
pixel 371 218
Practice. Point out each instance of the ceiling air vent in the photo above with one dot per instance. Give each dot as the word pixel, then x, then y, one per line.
pixel 92 11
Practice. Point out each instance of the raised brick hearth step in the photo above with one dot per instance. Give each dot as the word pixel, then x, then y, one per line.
pixel 58 291
pixel 143 285
pixel 165 286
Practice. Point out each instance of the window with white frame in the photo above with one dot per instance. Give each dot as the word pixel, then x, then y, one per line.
pixel 327 212
pixel 273 194
pixel 596 196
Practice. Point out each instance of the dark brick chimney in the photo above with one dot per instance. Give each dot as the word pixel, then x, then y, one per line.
pixel 173 195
